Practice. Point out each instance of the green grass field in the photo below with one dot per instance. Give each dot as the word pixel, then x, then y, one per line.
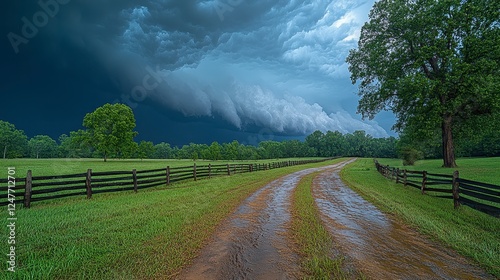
pixel 44 167
pixel 148 235
pixel 470 232
pixel 478 169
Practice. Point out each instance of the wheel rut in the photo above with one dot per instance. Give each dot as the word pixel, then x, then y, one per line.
pixel 378 245
pixel 251 243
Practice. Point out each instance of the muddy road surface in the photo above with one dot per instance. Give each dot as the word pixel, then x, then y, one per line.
pixel 380 246
pixel 251 243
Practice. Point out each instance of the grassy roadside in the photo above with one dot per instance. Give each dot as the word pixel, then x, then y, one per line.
pixel 470 232
pixel 148 235
pixel 313 240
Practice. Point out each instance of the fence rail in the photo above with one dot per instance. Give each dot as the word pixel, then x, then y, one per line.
pixel 39 188
pixel 478 195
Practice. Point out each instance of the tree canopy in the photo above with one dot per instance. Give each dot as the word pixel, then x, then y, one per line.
pixel 110 129
pixel 42 146
pixel 13 142
pixel 435 64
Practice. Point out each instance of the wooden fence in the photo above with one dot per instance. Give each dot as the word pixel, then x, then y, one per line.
pixel 481 196
pixel 37 188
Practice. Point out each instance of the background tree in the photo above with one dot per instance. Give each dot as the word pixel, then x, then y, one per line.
pixel 42 146
pixel 111 129
pixel 315 140
pixel 214 151
pixel 433 63
pixel 335 144
pixel 273 149
pixel 79 142
pixel 479 136
pixel 64 148
pixel 359 144
pixel 145 149
pixel 230 151
pixel 13 142
pixel 76 145
pixel 248 152
pixel 163 151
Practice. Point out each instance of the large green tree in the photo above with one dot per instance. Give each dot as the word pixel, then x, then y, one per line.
pixel 13 142
pixel 433 63
pixel 110 129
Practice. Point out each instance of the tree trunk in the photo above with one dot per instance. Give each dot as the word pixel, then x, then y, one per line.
pixel 105 157
pixel 4 151
pixel 448 148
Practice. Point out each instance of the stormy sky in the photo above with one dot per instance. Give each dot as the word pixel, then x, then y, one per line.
pixel 192 70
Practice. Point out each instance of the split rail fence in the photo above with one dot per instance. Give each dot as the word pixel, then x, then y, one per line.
pixel 478 195
pixel 38 188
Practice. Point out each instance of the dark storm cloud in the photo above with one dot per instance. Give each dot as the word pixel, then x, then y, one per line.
pixel 271 64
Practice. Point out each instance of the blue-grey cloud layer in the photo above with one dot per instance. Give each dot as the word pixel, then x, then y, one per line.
pixel 272 64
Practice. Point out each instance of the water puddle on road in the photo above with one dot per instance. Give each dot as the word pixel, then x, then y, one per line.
pixel 251 243
pixel 378 245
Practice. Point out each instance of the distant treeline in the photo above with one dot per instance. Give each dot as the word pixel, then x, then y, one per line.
pixel 411 145
pixel 15 144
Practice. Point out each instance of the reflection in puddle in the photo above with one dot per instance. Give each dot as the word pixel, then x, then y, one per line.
pixel 251 243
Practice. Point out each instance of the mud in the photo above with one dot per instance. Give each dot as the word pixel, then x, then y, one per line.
pixel 251 243
pixel 378 245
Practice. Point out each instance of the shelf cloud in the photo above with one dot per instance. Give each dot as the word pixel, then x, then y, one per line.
pixel 278 65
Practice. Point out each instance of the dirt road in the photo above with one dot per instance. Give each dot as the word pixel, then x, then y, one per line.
pixel 380 246
pixel 251 243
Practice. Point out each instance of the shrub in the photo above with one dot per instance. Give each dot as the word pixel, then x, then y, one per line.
pixel 410 155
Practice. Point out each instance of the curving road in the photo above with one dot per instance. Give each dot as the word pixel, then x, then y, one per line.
pixel 377 244
pixel 252 243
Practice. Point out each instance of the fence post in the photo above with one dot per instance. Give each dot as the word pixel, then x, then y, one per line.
pixel 397 176
pixel 228 170
pixel 424 180
pixel 27 189
pixel 194 171
pixel 456 189
pixel 88 183
pixel 250 167
pixel 405 178
pixel 209 170
pixel 134 177
pixel 168 175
